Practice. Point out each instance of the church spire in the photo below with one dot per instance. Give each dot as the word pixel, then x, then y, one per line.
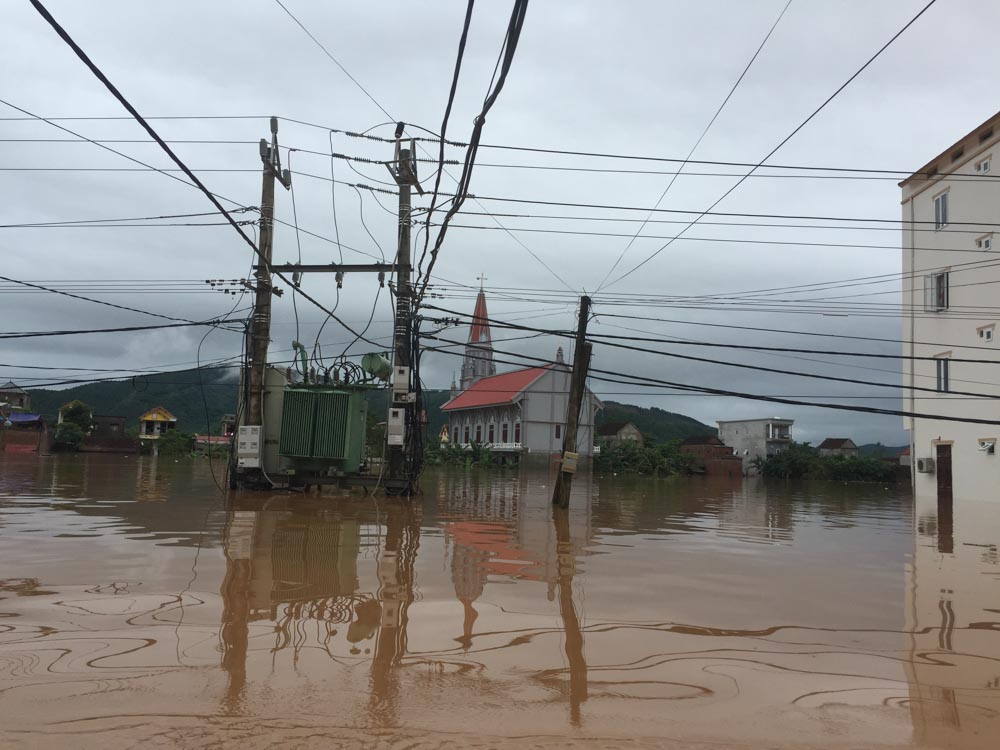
pixel 478 362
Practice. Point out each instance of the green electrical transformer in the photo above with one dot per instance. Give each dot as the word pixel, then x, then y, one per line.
pixel 323 428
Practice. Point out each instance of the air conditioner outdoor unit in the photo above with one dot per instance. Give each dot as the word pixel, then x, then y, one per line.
pixel 925 465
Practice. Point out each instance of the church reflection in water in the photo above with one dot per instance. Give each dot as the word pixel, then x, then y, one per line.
pixel 953 624
pixel 341 577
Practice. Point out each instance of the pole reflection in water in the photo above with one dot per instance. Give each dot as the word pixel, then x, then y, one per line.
pixel 566 562
pixel 397 578
pixel 734 614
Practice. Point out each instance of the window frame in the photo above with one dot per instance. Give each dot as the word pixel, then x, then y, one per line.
pixel 981 241
pixel 937 291
pixel 942 372
pixel 941 210
pixel 517 432
pixel 504 432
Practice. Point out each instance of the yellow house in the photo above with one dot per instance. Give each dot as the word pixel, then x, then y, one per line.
pixel 155 422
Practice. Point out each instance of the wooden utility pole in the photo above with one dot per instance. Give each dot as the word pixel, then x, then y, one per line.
pixel 403 409
pixel 577 388
pixel 260 324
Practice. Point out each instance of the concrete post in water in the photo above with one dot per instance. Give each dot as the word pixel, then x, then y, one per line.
pixel 578 385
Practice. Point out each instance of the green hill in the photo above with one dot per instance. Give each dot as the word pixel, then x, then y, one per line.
pixel 178 392
pixel 877 450
pixel 181 394
pixel 651 420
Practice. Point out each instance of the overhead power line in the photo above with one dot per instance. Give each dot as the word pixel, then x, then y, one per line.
pixel 697 143
pixel 216 323
pixel 612 376
pixel 155 136
pixel 781 143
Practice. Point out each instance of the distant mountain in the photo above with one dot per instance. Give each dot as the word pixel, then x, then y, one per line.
pixel 662 425
pixel 183 395
pixel 877 450
pixel 180 393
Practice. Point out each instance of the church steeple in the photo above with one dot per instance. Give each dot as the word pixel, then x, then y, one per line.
pixel 478 362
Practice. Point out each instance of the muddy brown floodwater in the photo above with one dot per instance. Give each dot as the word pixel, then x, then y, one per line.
pixel 138 608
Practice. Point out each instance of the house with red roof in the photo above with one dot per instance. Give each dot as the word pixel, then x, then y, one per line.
pixel 522 411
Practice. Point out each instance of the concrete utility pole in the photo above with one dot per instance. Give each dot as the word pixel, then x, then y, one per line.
pixel 260 324
pixel 403 409
pixel 577 388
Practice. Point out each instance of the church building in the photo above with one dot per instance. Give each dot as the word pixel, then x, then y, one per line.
pixel 517 412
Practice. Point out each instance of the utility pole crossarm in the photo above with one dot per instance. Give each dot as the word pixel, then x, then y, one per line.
pixel 335 268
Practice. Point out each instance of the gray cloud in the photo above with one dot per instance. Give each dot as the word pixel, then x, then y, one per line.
pixel 639 78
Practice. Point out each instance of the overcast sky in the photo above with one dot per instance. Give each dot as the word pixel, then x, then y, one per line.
pixel 640 78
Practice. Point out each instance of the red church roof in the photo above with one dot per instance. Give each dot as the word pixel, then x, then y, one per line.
pixel 480 325
pixel 496 389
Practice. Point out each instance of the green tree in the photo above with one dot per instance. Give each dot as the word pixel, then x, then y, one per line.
pixel 69 435
pixel 79 414
pixel 175 443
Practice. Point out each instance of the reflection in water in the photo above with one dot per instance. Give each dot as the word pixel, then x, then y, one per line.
pixel 746 614
pixel 953 616
pixel 567 610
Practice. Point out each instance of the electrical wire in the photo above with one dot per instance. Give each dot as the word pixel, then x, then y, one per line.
pixel 155 136
pixel 444 128
pixel 697 143
pixel 781 143
pixel 612 376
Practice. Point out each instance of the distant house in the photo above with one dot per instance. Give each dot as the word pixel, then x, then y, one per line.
pixel 14 398
pixel 756 438
pixel 155 422
pixel 712 456
pixel 616 432
pixel 108 426
pixel 839 447
pixel 705 446
pixel 905 457
pixel 24 421
pixel 228 424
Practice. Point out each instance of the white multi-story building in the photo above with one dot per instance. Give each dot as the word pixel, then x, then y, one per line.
pixel 951 306
pixel 756 438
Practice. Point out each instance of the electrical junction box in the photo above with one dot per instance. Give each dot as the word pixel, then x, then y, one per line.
pixel 248 447
pixel 569 462
pixel 396 427
pixel 400 379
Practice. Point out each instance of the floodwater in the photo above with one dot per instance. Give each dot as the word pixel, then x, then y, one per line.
pixel 138 607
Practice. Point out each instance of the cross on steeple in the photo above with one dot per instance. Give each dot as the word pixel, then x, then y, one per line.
pixel 482 280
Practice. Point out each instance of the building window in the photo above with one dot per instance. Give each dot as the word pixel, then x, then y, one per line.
pixel 984 164
pixel 491 434
pixel 941 211
pixel 479 433
pixel 943 374
pixel 503 433
pixel 558 431
pixel 936 291
pixel 985 242
pixel 455 435
pixel 986 333
pixel 467 433
pixel 517 432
